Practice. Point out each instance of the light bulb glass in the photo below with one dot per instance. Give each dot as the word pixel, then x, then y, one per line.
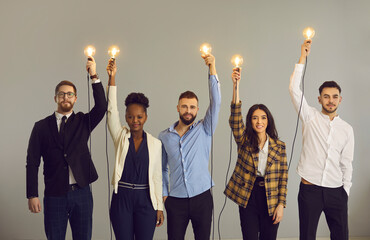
pixel 113 51
pixel 237 60
pixel 308 33
pixel 89 51
pixel 205 48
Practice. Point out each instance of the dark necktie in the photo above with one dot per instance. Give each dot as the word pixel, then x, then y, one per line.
pixel 62 130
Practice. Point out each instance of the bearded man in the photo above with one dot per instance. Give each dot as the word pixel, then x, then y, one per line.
pixel 61 140
pixel 186 147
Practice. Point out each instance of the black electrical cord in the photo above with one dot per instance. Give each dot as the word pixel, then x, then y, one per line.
pixel 299 113
pixel 107 157
pixel 227 174
pixel 211 190
pixel 89 125
pixel 89 108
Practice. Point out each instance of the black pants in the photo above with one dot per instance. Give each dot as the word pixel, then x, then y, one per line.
pixel 254 219
pixel 312 200
pixel 198 209
pixel 77 207
pixel 132 214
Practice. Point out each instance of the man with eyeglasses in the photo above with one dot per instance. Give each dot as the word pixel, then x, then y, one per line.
pixel 61 140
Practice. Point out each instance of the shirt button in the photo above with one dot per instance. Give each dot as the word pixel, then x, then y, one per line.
pixel 183 160
pixel 186 180
pixel 184 170
pixel 65 155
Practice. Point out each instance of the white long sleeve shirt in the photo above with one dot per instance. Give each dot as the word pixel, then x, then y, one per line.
pixel 328 146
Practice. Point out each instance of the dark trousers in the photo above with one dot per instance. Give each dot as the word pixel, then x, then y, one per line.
pixel 312 200
pixel 198 209
pixel 254 219
pixel 132 214
pixel 77 207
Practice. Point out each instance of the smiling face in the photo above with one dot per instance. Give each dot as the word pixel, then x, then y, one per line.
pixel 65 99
pixel 188 109
pixel 330 99
pixel 135 117
pixel 259 121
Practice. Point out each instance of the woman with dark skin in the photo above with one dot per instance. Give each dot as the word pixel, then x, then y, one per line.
pixel 259 181
pixel 137 204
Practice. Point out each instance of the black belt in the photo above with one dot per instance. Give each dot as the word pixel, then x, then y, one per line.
pixel 73 187
pixel 260 181
pixel 133 186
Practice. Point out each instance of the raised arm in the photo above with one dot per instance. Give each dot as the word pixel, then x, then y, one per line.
pixel 114 122
pixel 100 106
pixel 211 117
pixel 295 82
pixel 236 118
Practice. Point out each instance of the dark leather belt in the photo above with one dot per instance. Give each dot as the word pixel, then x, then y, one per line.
pixel 260 181
pixel 133 186
pixel 74 187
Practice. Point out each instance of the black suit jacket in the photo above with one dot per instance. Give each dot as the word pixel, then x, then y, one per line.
pixel 45 142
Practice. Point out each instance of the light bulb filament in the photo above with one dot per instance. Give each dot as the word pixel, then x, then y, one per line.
pixel 308 33
pixel 237 60
pixel 205 49
pixel 89 51
pixel 113 51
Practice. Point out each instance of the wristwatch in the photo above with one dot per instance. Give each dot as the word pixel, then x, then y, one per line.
pixel 94 76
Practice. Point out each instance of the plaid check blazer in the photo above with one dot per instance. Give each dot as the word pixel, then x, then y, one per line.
pixel 242 180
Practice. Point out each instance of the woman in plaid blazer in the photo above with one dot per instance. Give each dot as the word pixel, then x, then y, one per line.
pixel 259 181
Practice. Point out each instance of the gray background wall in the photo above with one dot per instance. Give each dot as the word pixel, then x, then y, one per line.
pixel 42 43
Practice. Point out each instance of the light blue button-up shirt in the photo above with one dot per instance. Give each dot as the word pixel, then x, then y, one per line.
pixel 185 159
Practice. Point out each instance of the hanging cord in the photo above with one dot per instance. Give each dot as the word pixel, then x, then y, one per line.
pixel 227 174
pixel 299 113
pixel 89 108
pixel 107 158
pixel 213 214
pixel 89 125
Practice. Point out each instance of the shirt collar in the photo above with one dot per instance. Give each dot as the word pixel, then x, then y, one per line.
pixel 173 126
pixel 265 147
pixel 328 118
pixel 59 115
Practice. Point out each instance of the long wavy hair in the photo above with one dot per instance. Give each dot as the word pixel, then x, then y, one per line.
pixel 251 134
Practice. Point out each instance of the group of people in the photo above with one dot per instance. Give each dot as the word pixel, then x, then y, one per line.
pixel 172 171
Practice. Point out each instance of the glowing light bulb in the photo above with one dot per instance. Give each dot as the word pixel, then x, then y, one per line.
pixel 237 60
pixel 89 51
pixel 205 48
pixel 308 33
pixel 113 51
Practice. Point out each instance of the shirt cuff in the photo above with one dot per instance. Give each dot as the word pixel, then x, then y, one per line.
pixel 299 67
pixel 97 80
pixel 214 77
pixel 236 105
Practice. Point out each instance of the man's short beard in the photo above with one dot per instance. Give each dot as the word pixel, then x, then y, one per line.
pixel 66 108
pixel 187 122
pixel 330 111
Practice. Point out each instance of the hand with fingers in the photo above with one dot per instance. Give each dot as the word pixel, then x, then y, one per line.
pixel 34 205
pixel 210 61
pixel 91 66
pixel 278 214
pixel 305 50
pixel 112 70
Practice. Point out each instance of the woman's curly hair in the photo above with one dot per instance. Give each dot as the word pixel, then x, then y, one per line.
pixel 137 98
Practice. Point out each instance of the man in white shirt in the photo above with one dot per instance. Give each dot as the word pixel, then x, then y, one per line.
pixel 325 164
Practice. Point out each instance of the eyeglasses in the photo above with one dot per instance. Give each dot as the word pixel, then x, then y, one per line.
pixel 69 94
